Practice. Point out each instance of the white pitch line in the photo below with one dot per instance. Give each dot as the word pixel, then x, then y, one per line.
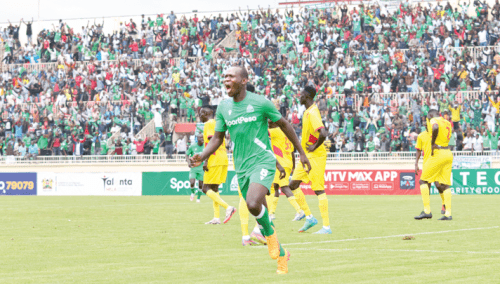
pixel 393 236
pixel 400 250
pixel 440 251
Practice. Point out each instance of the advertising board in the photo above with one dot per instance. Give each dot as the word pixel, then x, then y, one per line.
pixel 177 183
pixel 369 182
pixel 18 184
pixel 112 184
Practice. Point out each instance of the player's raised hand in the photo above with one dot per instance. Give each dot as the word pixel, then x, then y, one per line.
pixel 195 160
pixel 305 162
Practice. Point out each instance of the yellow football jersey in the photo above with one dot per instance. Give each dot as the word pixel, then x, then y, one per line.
pixel 219 158
pixel 444 134
pixel 424 144
pixel 282 147
pixel 311 124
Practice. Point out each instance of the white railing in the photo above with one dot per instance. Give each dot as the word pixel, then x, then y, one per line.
pixel 30 67
pixel 332 159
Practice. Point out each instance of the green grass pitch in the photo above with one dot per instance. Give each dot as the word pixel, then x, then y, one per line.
pixel 163 239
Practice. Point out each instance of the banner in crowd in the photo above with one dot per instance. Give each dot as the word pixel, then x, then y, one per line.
pixel 110 184
pixel 472 162
pixel 369 182
pixel 18 184
pixel 473 181
pixel 177 183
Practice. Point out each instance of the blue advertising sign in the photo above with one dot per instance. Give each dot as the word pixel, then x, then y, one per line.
pixel 17 183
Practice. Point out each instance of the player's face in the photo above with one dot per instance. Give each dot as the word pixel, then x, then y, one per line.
pixel 203 115
pixel 303 97
pixel 200 140
pixel 234 82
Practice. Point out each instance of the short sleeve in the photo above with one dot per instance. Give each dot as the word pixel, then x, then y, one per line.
pixel 270 111
pixel 315 119
pixel 220 123
pixel 189 151
pixel 419 143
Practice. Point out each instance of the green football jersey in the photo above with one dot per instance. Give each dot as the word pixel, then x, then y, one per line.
pixel 195 149
pixel 247 123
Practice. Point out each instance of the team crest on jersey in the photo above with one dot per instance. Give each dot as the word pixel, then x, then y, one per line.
pixel 250 108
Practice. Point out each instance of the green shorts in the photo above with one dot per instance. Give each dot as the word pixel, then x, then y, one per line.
pixel 263 175
pixel 196 174
pixel 191 112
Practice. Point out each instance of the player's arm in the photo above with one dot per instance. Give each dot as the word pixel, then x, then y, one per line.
pixel 419 153
pixel 280 168
pixel 188 153
pixel 435 131
pixel 321 139
pixel 290 134
pixel 212 146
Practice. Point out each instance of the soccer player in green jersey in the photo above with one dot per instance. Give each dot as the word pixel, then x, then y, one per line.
pixel 195 173
pixel 245 116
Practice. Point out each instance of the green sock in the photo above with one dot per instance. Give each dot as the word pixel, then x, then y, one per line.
pixel 265 222
pixel 282 251
pixel 199 192
pixel 193 190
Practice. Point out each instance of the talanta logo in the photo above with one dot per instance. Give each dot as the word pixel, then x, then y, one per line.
pixel 241 120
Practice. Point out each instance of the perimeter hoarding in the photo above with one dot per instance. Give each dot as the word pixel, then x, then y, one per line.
pixel 177 183
pixel 369 182
pixel 107 184
pixel 18 184
pixel 474 181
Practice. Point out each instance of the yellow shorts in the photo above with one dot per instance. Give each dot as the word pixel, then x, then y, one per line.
pixel 239 192
pixel 282 182
pixel 438 167
pixel 316 176
pixel 215 175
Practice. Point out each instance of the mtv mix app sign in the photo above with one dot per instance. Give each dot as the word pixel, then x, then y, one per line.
pixel 474 181
pixel 368 182
pixel 177 183
pixel 112 184
pixel 18 184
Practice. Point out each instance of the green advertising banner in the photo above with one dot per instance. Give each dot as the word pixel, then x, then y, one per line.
pixel 469 181
pixel 177 183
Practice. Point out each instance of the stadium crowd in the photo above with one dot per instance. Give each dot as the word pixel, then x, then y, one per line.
pixel 377 73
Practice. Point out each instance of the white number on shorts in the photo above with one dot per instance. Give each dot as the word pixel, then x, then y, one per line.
pixel 263 173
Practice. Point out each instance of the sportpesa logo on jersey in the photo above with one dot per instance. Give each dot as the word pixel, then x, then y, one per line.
pixel 241 120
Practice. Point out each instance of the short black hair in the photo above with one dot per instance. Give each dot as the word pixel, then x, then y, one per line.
pixel 208 107
pixel 311 91
pixel 250 88
pixel 432 113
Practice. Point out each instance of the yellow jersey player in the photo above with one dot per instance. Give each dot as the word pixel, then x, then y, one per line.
pixel 437 168
pixel 424 148
pixel 313 136
pixel 283 150
pixel 215 168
